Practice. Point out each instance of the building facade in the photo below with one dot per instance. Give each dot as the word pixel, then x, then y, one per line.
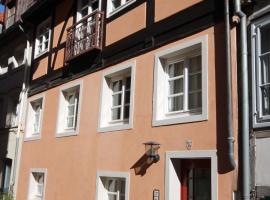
pixel 126 101
pixel 14 48
pixel 259 72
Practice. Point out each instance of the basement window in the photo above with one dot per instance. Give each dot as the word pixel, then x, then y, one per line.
pixel 112 186
pixel 37 184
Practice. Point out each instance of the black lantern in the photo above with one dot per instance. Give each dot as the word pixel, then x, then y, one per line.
pixel 151 150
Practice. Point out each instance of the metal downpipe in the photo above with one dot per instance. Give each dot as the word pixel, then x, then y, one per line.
pixel 245 179
pixel 230 139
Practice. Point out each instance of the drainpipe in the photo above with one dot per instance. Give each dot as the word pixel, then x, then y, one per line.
pixel 230 139
pixel 23 104
pixel 245 179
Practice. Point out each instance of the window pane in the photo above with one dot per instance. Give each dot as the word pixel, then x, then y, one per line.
pixel 175 103
pixel 176 86
pixel 112 196
pixel 116 3
pixel 116 113
pixel 202 184
pixel 195 100
pixel 71 110
pixel 117 99
pixel 84 12
pixel 265 100
pixel 195 64
pixel 265 72
pixel 128 83
pixel 126 112
pixel 195 82
pixel 122 187
pixel 127 97
pixel 265 44
pixel 117 86
pixel 71 99
pixel 112 185
pixel 70 122
pixel 176 69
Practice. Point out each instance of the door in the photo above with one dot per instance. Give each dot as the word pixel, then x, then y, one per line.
pixel 195 179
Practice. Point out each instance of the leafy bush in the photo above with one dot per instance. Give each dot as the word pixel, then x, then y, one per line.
pixel 6 196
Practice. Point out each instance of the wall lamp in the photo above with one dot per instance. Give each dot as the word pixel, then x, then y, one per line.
pixel 151 150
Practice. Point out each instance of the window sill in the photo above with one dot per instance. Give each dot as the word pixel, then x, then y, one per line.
pixel 32 138
pixel 66 133
pixel 119 8
pixel 41 54
pixel 115 127
pixel 178 119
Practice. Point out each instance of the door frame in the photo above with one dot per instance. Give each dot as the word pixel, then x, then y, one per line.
pixel 173 183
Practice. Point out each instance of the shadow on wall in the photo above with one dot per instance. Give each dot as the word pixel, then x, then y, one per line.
pixel 141 166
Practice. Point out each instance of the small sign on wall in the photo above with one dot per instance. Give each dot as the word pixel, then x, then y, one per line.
pixel 156 194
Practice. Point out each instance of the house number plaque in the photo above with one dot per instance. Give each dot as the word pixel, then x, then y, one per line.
pixel 156 194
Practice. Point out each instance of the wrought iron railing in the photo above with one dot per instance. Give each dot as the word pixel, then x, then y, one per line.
pixel 85 35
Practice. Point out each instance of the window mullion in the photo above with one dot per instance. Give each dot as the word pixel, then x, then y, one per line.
pixel 259 70
pixel 186 62
pixel 75 112
pixel 123 99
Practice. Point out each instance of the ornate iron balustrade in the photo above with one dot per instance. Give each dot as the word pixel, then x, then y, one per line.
pixel 84 35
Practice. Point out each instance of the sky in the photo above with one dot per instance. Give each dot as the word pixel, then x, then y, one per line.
pixel 1 8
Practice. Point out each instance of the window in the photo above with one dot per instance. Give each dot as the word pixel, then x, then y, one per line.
pixel 10 16
pixel 116 5
pixel 42 37
pixel 37 184
pixel 7 164
pixel 261 72
pixel 112 186
pixel 117 98
pixel 68 110
pixel 180 84
pixel 34 118
pixel 86 7
pixel 13 111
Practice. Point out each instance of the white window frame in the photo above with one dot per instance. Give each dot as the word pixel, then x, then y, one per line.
pixel 45 23
pixel 61 129
pixel 111 11
pixel 161 116
pixel 258 119
pixel 37 170
pixel 172 182
pixel 105 122
pixel 112 175
pixel 30 134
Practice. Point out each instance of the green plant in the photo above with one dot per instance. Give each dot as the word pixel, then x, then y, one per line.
pixel 6 196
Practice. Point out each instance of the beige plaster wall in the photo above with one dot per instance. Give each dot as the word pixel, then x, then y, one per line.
pixel 72 162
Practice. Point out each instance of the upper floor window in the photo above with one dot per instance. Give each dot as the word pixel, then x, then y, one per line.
pixel 12 112
pixel 261 72
pixel 34 118
pixel 117 98
pixel 10 16
pixel 114 6
pixel 43 35
pixel 86 7
pixel 68 110
pixel 180 86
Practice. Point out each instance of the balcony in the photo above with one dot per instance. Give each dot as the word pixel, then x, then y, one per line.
pixel 84 36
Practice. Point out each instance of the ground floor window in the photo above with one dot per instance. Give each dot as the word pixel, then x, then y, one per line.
pixel 6 174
